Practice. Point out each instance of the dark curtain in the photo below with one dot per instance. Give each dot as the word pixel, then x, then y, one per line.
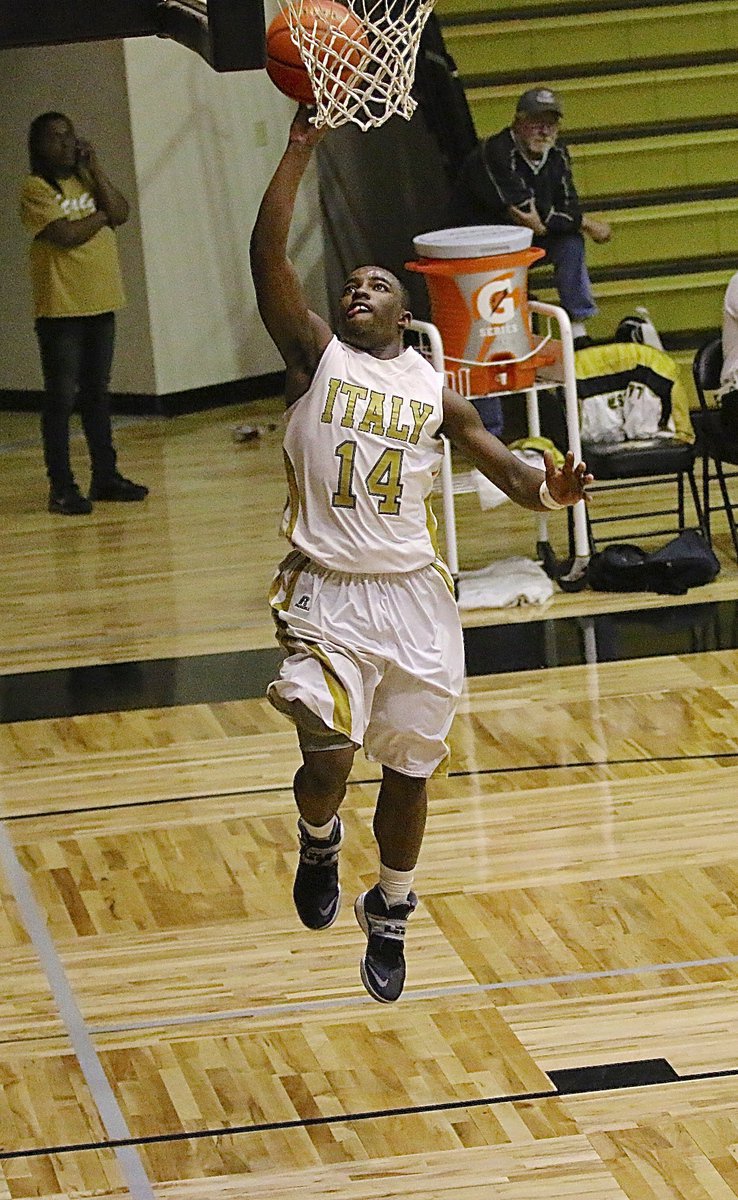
pixel 442 99
pixel 381 188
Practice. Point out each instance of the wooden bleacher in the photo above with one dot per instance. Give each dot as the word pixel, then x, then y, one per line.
pixel 650 119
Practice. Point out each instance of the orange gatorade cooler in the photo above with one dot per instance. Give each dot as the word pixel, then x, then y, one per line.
pixel 477 280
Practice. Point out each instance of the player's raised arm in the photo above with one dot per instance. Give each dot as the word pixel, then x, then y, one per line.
pixel 521 482
pixel 299 334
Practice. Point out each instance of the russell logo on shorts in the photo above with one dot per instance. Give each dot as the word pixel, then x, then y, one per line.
pixel 303 603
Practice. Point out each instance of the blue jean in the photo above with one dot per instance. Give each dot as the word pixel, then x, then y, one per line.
pixel 566 252
pixel 76 357
pixel 490 411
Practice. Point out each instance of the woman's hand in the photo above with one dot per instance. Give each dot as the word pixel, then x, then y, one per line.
pixel 86 156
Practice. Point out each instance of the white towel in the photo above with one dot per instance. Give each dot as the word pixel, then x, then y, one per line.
pixel 504 584
pixel 490 496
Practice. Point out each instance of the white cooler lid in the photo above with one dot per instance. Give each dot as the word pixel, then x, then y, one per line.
pixel 473 241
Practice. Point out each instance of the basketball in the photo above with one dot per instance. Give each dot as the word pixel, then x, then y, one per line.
pixel 329 27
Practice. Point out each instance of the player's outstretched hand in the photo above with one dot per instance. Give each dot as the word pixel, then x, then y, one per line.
pixel 566 484
pixel 302 131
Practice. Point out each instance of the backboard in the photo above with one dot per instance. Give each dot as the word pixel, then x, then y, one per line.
pixel 228 34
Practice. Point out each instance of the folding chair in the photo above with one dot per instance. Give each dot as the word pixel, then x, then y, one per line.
pixel 616 469
pixel 718 442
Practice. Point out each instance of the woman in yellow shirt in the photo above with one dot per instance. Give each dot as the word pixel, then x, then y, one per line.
pixel 71 209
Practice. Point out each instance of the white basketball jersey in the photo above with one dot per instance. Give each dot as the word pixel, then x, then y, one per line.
pixel 361 452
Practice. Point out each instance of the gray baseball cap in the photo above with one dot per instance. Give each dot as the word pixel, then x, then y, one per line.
pixel 540 100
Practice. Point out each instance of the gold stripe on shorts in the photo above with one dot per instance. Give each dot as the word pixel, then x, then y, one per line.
pixel 342 722
pixel 289 573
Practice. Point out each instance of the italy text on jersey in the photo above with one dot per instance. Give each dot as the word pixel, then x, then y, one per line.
pixel 363 450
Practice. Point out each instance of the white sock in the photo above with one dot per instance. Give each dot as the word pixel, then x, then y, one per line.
pixel 578 329
pixel 395 885
pixel 321 832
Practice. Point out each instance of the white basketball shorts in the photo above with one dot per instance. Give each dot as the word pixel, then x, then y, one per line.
pixel 378 658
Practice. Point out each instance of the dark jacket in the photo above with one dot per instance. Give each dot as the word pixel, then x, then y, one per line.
pixel 497 175
pixel 442 99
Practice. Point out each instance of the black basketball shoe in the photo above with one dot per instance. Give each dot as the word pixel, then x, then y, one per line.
pixel 316 893
pixel 116 487
pixel 69 501
pixel 383 965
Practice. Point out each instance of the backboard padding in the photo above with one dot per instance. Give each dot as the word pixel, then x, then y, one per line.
pixel 228 34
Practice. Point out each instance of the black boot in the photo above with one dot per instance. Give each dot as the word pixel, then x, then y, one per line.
pixel 115 487
pixel 69 501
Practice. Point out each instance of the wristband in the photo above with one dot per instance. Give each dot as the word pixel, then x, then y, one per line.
pixel 546 498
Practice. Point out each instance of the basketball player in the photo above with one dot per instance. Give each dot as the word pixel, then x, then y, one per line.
pixel 364 606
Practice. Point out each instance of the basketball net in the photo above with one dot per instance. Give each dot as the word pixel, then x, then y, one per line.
pixel 361 75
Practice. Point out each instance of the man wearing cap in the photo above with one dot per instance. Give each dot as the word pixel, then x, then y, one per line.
pixel 523 176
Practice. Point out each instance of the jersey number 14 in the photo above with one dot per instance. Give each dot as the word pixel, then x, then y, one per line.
pixel 382 481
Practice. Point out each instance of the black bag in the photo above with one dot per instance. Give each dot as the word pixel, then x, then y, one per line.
pixel 639 329
pixel 685 562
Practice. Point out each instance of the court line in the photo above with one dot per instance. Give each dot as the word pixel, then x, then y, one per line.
pixel 345 1118
pixel 460 989
pixel 285 787
pixel 273 1126
pixel 111 1115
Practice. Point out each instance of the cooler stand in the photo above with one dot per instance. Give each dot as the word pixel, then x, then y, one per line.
pixel 580 535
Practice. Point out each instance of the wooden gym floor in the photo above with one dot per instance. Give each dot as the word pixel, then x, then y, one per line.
pixel 168 1028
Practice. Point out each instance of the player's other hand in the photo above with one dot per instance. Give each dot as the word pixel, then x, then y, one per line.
pixel 566 484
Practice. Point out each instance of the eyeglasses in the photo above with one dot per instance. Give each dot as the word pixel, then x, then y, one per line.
pixel 545 123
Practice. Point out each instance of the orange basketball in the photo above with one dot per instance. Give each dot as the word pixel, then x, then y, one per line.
pixel 332 25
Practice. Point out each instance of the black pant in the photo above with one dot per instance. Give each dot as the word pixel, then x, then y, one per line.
pixel 76 357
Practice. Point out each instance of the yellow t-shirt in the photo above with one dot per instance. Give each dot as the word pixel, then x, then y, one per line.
pixel 71 281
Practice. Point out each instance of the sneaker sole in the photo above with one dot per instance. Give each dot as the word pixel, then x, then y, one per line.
pixel 359 913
